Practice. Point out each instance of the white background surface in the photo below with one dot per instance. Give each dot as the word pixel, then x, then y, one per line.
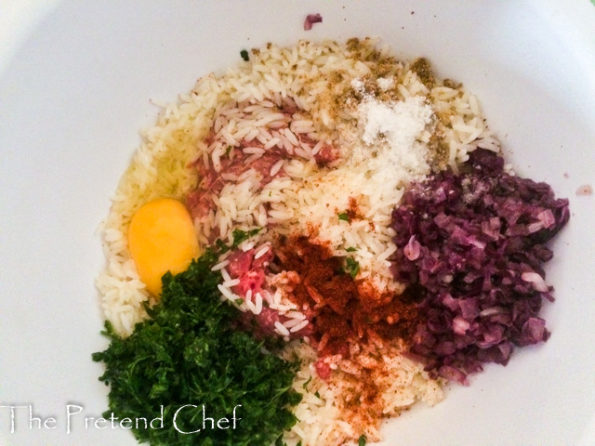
pixel 75 87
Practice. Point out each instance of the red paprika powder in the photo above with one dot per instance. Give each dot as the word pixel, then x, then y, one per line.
pixel 341 309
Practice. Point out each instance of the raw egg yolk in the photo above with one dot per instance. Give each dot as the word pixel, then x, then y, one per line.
pixel 161 238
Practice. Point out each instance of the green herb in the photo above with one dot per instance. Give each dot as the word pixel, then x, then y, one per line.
pixel 351 267
pixel 317 395
pixel 343 216
pixel 245 55
pixel 305 385
pixel 362 440
pixel 188 353
pixel 221 246
pixel 239 301
pixel 228 150
pixel 239 236
pixel 351 249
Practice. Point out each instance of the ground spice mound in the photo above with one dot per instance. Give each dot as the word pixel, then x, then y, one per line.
pixel 341 309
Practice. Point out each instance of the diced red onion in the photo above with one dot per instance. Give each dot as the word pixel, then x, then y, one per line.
pixel 460 325
pixel 311 19
pixel 474 243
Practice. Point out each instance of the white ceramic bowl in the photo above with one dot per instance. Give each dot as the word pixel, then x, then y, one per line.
pixel 75 93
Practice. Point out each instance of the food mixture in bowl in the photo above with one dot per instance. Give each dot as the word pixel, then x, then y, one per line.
pixel 339 236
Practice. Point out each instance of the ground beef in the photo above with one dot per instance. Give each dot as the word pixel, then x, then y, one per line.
pixel 250 271
pixel 252 275
pixel 212 182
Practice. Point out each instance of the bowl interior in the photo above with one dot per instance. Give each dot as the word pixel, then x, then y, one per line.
pixel 77 92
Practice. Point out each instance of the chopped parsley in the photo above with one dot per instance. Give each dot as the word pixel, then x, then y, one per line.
pixel 240 236
pixel 351 267
pixel 351 249
pixel 305 385
pixel 244 54
pixel 343 216
pixel 221 246
pixel 187 352
pixel 362 440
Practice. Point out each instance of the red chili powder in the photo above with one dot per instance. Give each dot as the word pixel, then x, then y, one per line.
pixel 341 309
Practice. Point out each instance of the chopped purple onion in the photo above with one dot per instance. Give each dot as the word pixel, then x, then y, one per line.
pixel 311 19
pixel 473 244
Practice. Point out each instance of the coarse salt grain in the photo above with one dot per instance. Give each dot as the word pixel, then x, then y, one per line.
pixel 400 124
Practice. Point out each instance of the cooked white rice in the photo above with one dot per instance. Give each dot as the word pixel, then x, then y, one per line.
pixel 334 86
